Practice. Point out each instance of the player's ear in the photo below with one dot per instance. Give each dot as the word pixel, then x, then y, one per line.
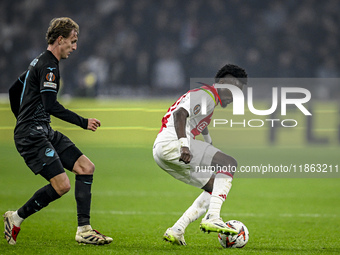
pixel 60 39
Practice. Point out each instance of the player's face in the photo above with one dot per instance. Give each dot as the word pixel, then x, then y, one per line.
pixel 68 44
pixel 224 93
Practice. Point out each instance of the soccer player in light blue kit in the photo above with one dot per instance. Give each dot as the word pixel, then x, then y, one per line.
pixel 47 152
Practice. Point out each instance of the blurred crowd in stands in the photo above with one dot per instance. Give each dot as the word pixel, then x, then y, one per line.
pixel 155 47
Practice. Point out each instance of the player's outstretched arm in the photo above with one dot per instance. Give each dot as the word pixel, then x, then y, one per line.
pixel 93 124
pixel 53 107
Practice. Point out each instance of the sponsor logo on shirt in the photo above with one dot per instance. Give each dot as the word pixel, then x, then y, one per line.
pixel 197 109
pixel 50 85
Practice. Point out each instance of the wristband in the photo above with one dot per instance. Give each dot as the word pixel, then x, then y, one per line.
pixel 207 138
pixel 183 142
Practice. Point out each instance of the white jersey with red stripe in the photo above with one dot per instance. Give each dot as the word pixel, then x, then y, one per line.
pixel 200 104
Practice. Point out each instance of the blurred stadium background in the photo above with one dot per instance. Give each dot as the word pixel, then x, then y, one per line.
pixel 143 47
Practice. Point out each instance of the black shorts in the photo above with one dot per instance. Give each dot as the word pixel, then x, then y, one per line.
pixel 41 149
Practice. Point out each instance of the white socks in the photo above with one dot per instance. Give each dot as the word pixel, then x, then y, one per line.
pixel 196 210
pixel 17 220
pixel 222 185
pixel 84 228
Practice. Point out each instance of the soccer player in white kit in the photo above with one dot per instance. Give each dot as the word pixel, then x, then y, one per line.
pixel 177 152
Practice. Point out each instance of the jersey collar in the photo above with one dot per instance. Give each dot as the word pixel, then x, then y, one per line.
pixel 211 89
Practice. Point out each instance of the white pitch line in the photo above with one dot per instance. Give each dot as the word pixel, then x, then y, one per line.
pixel 229 215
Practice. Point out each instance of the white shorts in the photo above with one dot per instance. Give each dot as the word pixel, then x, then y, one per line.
pixel 167 155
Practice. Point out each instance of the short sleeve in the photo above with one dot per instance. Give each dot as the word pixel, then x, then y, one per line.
pixel 197 103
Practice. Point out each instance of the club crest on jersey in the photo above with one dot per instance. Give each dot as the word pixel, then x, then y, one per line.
pixel 197 109
pixel 50 76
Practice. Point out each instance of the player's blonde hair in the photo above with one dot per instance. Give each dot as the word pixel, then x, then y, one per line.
pixel 60 27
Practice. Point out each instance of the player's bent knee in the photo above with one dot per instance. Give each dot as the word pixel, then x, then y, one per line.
pixel 88 168
pixel 64 188
pixel 93 167
pixel 84 166
pixel 61 184
pixel 231 165
pixel 221 159
pixel 226 163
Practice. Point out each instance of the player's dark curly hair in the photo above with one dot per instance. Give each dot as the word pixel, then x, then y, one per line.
pixel 60 26
pixel 233 70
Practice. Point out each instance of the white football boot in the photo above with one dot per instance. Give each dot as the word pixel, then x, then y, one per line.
pixel 91 236
pixel 11 231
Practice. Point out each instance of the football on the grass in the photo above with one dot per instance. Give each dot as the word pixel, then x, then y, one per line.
pixel 234 241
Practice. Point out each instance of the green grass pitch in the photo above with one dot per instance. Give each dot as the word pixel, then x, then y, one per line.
pixel 134 201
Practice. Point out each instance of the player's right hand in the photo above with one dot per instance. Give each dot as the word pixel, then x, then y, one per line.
pixel 93 124
pixel 185 155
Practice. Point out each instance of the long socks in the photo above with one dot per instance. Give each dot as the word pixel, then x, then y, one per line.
pixel 196 210
pixel 39 200
pixel 83 198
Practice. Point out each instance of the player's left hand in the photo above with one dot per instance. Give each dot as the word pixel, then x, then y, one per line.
pixel 93 124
